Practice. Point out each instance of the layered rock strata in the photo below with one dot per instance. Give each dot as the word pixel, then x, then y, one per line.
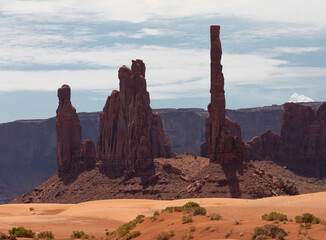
pixel 130 133
pixel 302 144
pixel 219 145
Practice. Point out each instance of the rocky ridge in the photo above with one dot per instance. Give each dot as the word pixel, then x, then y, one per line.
pixel 302 143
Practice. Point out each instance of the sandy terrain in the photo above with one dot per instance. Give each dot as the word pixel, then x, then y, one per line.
pixel 96 216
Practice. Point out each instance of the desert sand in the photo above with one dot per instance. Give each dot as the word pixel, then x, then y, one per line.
pixel 96 216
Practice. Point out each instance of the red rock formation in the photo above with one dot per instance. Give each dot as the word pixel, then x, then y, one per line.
pixel 130 134
pixel 68 131
pixel 72 154
pixel 234 128
pixel 220 145
pixel 266 146
pixel 303 136
pixel 302 145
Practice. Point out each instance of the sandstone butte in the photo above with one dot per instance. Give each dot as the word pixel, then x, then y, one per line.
pixel 302 144
pixel 130 133
pixel 220 146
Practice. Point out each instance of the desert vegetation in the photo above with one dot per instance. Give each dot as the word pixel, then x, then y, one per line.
pixel 21 232
pixel 273 216
pixel 267 232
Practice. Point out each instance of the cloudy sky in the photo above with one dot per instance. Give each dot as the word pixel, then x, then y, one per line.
pixel 273 51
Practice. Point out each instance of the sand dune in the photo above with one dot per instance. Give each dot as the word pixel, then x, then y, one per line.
pixel 96 216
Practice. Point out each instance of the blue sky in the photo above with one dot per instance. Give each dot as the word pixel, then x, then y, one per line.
pixel 273 52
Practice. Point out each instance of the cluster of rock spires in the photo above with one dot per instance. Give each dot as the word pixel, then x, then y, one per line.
pixel 302 144
pixel 130 135
pixel 220 146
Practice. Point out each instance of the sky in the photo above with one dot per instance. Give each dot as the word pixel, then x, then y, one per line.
pixel 273 52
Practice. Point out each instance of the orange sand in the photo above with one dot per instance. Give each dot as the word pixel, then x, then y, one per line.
pixel 96 216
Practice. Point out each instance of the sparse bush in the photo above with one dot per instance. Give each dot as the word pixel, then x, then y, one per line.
pixel 4 236
pixel 165 235
pixel 77 234
pixel 268 231
pixel 192 229
pixel 45 235
pixel 186 219
pixel 191 205
pixel 178 209
pixel 132 235
pixel 21 232
pixel 307 218
pixel 274 216
pixel 199 211
pixel 154 218
pixel 236 222
pixel 156 213
pixel 31 209
pixel 126 228
pixel 215 216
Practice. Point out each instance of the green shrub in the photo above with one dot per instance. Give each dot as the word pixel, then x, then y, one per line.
pixel 191 205
pixel 186 219
pixel 154 218
pixel 132 235
pixel 21 232
pixel 77 234
pixel 4 236
pixel 307 218
pixel 214 216
pixel 31 209
pixel 45 235
pixel 165 235
pixel 156 213
pixel 199 211
pixel 127 227
pixel 178 209
pixel 268 231
pixel 192 229
pixel 275 216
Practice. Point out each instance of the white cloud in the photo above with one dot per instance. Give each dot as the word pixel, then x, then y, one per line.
pixel 147 32
pixel 295 97
pixel 298 50
pixel 171 72
pixel 290 11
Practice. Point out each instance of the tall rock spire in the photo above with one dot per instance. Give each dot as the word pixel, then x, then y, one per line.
pixel 68 131
pixel 72 153
pixel 219 145
pixel 130 134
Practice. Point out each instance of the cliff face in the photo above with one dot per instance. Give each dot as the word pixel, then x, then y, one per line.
pixel 130 134
pixel 303 136
pixel 219 145
pixel 302 144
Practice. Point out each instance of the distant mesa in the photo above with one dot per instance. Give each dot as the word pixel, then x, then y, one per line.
pixel 302 144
